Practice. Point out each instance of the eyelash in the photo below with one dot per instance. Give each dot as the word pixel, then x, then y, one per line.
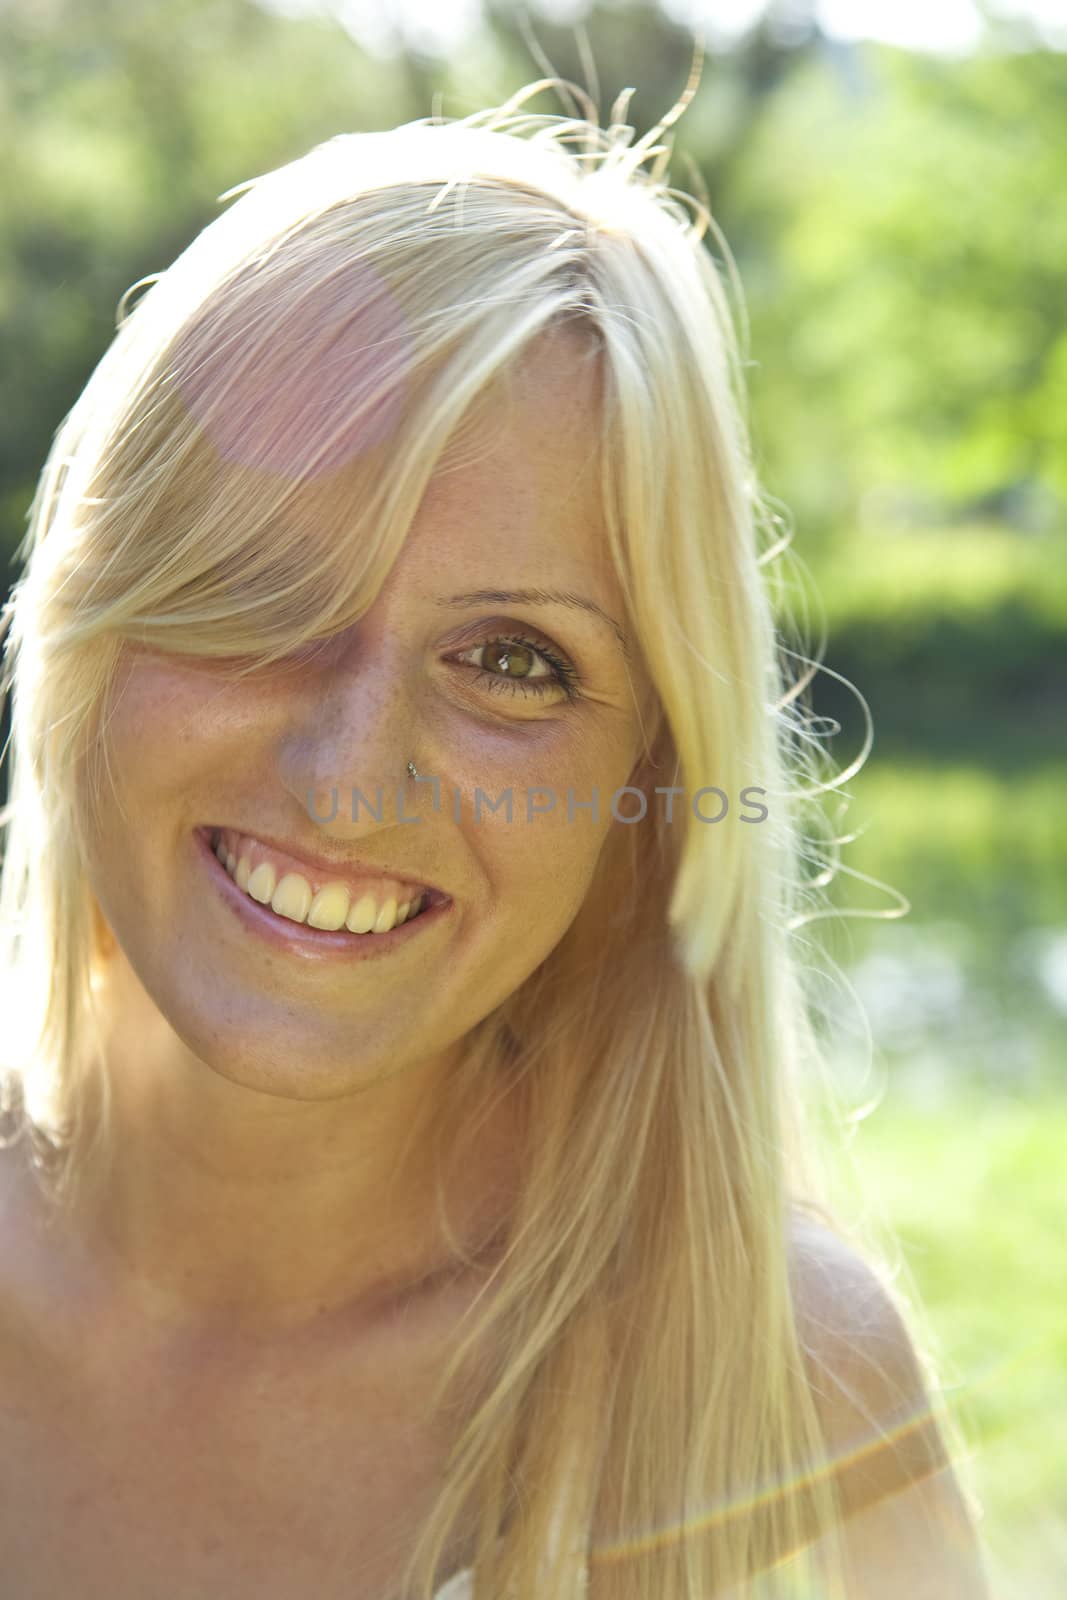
pixel 563 676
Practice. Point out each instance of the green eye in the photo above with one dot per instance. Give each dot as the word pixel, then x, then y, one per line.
pixel 503 650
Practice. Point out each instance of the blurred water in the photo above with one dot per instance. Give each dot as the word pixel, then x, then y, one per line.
pixel 943 1000
pixel 1044 950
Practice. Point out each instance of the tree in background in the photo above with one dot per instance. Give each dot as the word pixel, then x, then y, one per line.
pixel 909 277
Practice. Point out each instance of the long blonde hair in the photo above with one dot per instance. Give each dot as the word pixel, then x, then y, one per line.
pixel 650 1407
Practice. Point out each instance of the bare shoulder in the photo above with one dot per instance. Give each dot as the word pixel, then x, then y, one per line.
pixel 847 1313
pixel 909 1528
pixel 866 1376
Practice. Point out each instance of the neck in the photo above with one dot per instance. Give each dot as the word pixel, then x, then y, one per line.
pixel 212 1206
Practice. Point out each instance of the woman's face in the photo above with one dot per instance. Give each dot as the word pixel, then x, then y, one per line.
pixel 277 1006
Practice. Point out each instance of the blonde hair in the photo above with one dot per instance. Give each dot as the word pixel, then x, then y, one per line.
pixel 650 1403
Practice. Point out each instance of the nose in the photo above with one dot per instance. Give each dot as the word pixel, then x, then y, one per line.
pixel 343 756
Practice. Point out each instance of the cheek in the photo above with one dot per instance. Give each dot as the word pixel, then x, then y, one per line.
pixel 153 737
pixel 538 877
pixel 542 861
pixel 165 724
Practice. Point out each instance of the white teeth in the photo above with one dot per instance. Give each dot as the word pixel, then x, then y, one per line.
pixel 386 916
pixel 262 883
pixel 330 908
pixel 292 897
pixel 361 917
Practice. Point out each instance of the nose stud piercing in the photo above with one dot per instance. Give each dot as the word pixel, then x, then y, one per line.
pixel 411 769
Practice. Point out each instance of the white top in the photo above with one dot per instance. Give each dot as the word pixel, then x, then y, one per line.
pixel 458 1586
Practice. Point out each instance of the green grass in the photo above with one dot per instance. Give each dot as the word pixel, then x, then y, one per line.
pixel 973 1184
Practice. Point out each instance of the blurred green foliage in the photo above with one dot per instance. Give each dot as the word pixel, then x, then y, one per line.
pixel 910 283
pixel 956 638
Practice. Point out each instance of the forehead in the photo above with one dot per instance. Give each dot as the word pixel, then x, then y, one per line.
pixel 521 505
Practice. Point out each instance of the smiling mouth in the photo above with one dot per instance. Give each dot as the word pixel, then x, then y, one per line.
pixel 366 910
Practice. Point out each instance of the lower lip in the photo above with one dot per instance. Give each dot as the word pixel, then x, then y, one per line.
pixel 313 944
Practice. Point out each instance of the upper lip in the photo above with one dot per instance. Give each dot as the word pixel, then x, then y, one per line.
pixel 340 866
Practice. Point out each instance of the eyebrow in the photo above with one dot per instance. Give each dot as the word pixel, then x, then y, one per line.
pixel 538 597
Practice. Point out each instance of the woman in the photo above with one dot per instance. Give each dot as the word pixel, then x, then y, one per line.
pixel 404 1182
